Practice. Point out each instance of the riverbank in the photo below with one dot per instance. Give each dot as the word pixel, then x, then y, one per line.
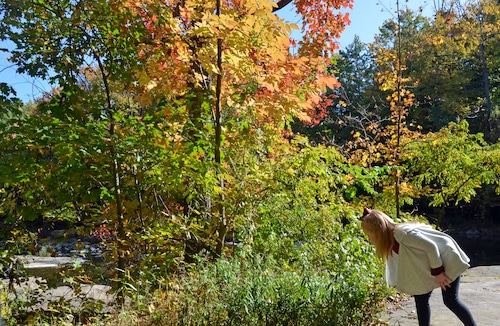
pixel 479 290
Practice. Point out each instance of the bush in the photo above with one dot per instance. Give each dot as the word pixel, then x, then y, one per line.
pixel 257 289
pixel 300 260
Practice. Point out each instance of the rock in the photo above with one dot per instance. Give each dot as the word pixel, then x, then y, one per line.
pixel 34 262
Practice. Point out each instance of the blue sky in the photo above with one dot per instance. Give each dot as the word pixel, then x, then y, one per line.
pixel 366 17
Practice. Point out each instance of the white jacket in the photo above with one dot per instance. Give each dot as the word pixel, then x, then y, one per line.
pixel 421 248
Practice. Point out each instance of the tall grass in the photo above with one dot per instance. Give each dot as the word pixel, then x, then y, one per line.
pixel 259 290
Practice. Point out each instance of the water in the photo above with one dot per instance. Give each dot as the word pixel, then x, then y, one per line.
pixel 483 251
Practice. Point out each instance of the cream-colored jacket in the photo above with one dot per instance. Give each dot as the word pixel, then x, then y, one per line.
pixel 421 248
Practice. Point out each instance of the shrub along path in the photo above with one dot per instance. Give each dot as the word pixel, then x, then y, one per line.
pixel 479 290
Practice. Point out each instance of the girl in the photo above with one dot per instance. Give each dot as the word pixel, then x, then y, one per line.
pixel 418 260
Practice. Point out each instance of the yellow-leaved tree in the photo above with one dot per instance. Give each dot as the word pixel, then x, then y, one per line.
pixel 229 61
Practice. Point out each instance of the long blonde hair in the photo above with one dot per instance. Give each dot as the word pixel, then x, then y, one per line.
pixel 382 227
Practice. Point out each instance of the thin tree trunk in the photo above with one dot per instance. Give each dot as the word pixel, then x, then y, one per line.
pixel 399 108
pixel 115 171
pixel 486 84
pixel 222 229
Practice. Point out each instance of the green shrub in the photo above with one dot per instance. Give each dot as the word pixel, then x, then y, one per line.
pixel 260 290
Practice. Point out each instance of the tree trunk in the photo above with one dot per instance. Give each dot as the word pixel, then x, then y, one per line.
pixel 116 173
pixel 486 84
pixel 222 228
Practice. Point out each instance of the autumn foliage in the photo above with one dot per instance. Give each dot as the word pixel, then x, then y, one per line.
pixel 168 137
pixel 259 71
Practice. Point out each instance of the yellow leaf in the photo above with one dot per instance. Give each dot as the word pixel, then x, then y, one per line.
pixel 228 22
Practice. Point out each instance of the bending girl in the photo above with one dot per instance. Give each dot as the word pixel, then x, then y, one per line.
pixel 418 260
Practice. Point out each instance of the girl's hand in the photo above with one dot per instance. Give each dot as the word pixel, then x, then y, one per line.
pixel 443 281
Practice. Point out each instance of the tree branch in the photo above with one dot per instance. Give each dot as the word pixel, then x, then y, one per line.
pixel 282 4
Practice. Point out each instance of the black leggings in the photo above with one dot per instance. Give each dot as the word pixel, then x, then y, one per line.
pixel 450 299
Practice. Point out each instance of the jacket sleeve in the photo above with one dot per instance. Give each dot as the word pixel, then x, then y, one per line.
pixel 417 240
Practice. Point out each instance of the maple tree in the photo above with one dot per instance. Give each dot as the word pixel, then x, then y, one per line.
pixel 168 134
pixel 187 74
pixel 322 24
pixel 254 70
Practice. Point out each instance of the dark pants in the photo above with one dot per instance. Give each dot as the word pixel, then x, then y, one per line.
pixel 450 299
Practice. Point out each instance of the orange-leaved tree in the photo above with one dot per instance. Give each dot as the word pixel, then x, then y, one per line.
pixel 142 141
pixel 193 72
pixel 221 61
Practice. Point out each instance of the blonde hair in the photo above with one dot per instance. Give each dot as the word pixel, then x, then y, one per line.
pixel 382 227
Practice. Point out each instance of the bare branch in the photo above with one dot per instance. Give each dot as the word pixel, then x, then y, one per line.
pixel 282 4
